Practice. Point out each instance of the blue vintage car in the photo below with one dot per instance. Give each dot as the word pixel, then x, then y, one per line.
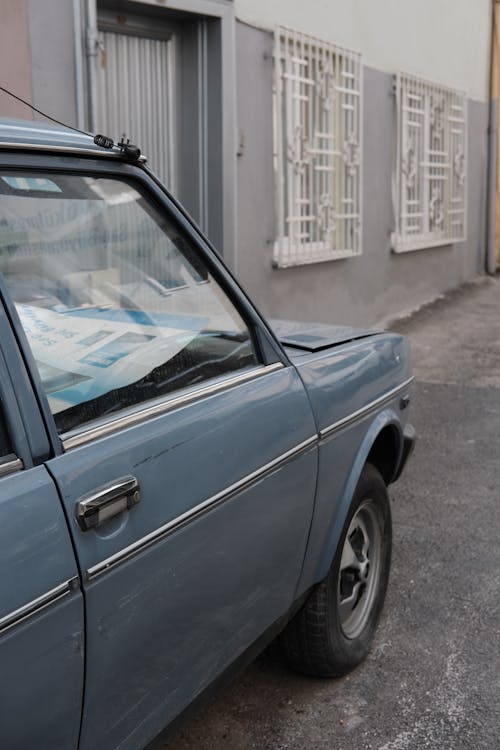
pixel 179 482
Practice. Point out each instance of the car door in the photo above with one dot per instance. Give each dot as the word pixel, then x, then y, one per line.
pixel 185 447
pixel 41 604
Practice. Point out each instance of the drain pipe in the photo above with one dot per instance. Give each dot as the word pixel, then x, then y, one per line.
pixel 77 33
pixel 492 186
pixel 491 202
pixel 92 49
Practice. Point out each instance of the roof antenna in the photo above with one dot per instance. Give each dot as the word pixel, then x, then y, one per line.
pixel 39 111
pixel 128 149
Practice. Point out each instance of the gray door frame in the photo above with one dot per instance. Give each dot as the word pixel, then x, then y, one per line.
pixel 223 11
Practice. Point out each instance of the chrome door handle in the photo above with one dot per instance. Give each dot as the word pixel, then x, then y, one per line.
pixel 107 501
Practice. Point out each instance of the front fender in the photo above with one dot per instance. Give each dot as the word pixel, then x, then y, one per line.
pixel 337 480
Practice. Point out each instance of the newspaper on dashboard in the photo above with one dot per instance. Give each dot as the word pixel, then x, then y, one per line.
pixel 85 352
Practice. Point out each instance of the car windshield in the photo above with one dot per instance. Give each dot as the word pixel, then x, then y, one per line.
pixel 116 303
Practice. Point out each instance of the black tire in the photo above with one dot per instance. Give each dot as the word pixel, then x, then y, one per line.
pixel 333 631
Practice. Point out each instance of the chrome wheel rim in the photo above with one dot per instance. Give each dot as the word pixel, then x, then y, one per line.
pixel 359 572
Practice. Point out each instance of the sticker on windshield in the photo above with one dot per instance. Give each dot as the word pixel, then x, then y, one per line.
pixel 40 184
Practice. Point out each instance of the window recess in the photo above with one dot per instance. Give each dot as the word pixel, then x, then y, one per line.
pixel 317 150
pixel 431 165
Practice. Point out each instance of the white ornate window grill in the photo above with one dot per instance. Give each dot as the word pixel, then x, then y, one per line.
pixel 431 165
pixel 317 150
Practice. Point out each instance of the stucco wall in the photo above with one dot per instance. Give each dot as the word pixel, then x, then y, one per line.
pixel 37 58
pixel 15 62
pixel 51 34
pixel 378 285
pixel 444 40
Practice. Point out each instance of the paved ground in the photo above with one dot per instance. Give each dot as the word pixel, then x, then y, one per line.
pixel 433 677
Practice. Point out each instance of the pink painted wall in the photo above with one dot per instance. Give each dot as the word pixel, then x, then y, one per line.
pixel 15 58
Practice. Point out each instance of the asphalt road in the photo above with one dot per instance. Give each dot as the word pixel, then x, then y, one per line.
pixel 433 677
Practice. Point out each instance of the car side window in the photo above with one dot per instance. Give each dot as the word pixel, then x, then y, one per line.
pixel 116 303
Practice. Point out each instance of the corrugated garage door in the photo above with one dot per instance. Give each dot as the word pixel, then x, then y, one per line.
pixel 136 80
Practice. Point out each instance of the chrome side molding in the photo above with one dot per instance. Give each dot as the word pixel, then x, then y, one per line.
pixel 37 605
pixel 207 505
pixel 326 432
pixel 10 465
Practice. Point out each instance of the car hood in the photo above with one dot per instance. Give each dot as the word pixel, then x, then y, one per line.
pixel 313 337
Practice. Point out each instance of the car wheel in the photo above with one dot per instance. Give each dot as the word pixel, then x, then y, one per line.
pixel 333 631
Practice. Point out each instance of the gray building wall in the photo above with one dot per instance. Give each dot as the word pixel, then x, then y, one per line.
pixel 39 61
pixel 364 290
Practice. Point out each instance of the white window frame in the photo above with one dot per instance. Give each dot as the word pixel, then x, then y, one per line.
pixel 317 150
pixel 430 179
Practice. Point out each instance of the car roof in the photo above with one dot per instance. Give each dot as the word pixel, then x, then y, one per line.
pixel 41 136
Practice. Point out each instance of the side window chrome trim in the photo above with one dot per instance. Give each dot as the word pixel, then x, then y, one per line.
pixel 10 464
pixel 35 606
pixel 82 437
